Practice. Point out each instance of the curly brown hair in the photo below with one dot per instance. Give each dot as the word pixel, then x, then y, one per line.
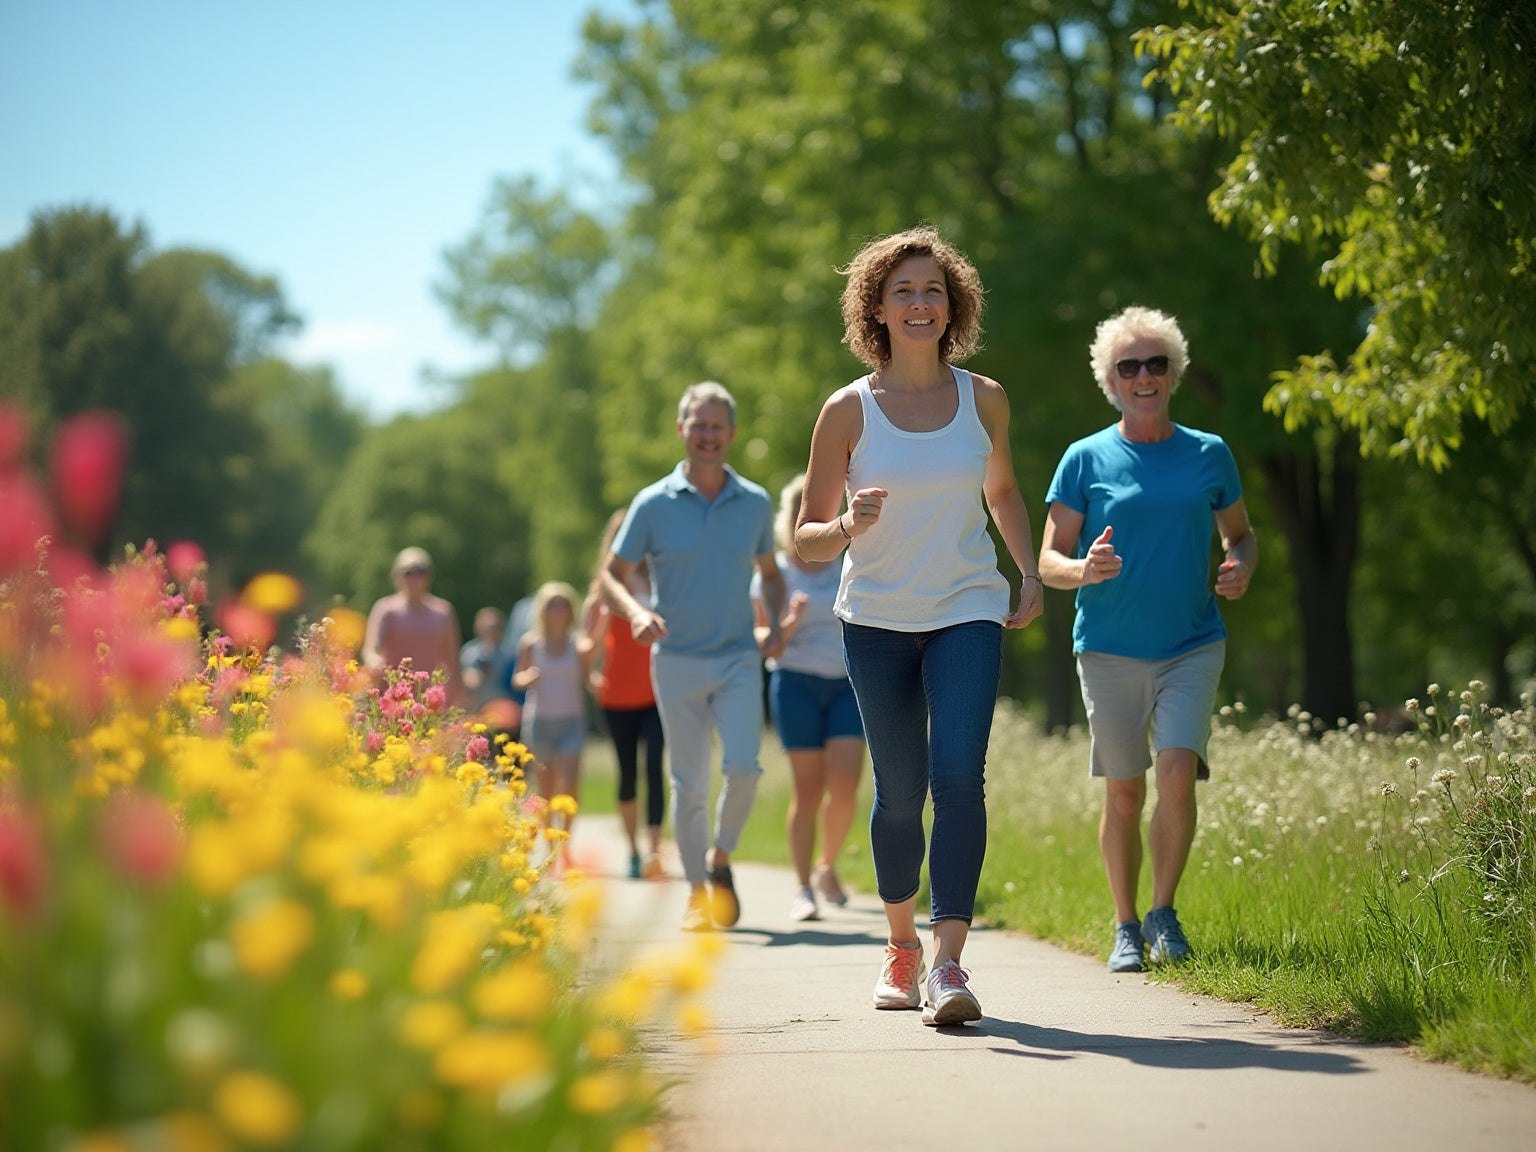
pixel 867 273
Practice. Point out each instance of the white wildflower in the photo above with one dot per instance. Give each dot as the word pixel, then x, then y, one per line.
pixel 1403 877
pixel 1476 685
pixel 1412 704
pixel 1443 776
pixel 1236 861
pixel 1320 821
pixel 1413 763
pixel 1434 689
pixel 1388 788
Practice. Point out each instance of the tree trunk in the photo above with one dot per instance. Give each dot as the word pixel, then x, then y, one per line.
pixel 1062 698
pixel 1316 498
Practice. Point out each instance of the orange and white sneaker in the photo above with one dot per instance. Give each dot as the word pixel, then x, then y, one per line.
pixel 901 977
pixel 948 1000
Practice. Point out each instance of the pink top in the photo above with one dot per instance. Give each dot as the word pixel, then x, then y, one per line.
pixel 425 632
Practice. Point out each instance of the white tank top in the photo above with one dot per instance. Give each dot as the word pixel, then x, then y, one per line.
pixel 928 562
pixel 556 694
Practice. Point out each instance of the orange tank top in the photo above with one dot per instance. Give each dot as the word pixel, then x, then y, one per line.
pixel 626 669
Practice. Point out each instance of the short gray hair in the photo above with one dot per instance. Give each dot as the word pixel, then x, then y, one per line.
pixel 1134 323
pixel 705 392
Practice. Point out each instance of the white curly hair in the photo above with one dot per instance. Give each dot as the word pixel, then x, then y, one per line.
pixel 1134 323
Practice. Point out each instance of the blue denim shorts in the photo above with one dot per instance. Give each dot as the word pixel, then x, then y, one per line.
pixel 810 710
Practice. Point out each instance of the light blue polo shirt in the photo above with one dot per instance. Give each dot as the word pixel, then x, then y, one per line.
pixel 702 555
pixel 1161 499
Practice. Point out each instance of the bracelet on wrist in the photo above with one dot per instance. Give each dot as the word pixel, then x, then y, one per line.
pixel 847 535
pixel 1034 577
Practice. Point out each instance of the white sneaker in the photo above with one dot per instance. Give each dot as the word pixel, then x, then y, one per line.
pixel 803 907
pixel 901 977
pixel 949 1001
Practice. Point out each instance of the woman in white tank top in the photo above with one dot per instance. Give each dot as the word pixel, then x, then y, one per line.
pixel 920 452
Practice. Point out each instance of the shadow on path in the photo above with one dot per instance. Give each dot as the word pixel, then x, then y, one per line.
pixel 1159 1052
pixel 773 938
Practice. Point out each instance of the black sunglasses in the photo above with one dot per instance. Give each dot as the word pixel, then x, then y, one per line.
pixel 1129 368
pixel 415 571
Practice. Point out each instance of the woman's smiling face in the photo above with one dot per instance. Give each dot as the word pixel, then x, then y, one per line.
pixel 914 305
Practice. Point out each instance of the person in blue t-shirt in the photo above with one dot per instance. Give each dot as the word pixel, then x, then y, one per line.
pixel 1129 527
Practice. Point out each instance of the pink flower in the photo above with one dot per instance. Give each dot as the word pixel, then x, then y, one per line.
pixel 25 519
pixel 140 837
pixel 184 558
pixel 436 697
pixel 478 750
pixel 247 627
pixel 23 862
pixel 375 742
pixel 90 452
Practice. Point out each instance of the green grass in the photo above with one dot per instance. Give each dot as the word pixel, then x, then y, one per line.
pixel 1332 884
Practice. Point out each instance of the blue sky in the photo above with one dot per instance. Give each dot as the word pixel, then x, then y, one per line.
pixel 337 145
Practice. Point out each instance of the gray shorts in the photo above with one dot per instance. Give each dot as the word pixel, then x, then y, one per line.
pixel 556 735
pixel 1129 699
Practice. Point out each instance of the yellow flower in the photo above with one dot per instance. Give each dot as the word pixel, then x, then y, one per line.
pixel 349 984
pixel 346 627
pixel 491 1060
pixel 256 1108
pixel 452 945
pixel 598 1092
pixel 693 1018
pixel 605 1043
pixel 564 805
pixel 214 860
pixel 269 938
pixel 635 1140
pixel 273 593
pixel 631 997
pixel 522 991
pixel 429 1024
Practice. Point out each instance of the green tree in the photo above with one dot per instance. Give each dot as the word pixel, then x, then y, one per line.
pixel 770 139
pixel 431 481
pixel 1397 139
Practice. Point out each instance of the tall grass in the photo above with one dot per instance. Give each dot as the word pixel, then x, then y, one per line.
pixel 1379 884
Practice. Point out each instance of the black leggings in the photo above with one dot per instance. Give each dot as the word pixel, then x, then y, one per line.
pixel 627 726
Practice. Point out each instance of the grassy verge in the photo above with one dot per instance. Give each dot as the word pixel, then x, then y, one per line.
pixel 1380 886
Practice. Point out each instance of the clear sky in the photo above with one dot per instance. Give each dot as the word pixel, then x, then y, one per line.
pixel 338 145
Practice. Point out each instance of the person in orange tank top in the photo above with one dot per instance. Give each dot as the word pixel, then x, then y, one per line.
pixel 622 685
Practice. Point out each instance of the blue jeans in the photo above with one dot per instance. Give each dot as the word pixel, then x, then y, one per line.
pixel 927 700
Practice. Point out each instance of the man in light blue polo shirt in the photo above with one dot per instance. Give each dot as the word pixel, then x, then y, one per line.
pixel 703 529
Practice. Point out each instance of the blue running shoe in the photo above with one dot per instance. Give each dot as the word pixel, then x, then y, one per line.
pixel 1125 956
pixel 1165 939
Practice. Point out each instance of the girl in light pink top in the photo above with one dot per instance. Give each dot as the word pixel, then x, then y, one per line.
pixel 553 661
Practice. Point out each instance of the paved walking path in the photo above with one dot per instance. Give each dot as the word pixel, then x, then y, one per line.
pixel 1068 1055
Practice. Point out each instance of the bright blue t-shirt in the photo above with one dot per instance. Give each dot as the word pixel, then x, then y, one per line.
pixel 702 555
pixel 1161 499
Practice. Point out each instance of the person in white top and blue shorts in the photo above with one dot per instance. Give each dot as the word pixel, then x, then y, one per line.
pixel 814 711
pixel 919 450
pixel 1132 512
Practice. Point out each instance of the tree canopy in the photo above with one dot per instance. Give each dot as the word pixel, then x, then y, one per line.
pixel 1396 140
